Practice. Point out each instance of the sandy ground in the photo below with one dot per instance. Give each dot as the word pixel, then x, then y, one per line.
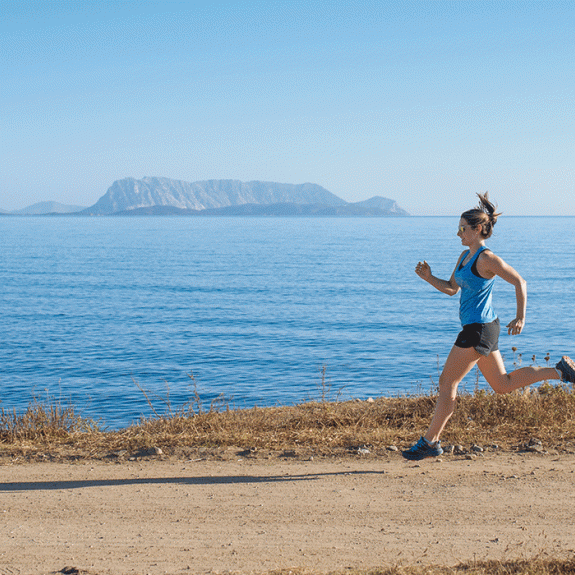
pixel 168 516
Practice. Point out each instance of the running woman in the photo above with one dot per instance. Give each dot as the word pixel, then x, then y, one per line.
pixel 477 343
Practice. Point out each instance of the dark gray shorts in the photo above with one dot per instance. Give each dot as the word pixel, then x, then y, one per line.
pixel 483 337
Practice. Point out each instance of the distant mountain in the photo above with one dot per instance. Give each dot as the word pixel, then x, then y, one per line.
pixel 129 193
pixel 161 196
pixel 43 208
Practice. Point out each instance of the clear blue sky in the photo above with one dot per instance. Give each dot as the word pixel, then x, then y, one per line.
pixel 425 102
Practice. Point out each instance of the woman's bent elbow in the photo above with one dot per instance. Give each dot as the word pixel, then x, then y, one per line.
pixel 520 285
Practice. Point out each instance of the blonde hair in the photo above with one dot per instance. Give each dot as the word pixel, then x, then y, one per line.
pixel 484 215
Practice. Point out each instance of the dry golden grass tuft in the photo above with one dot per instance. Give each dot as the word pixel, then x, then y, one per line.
pixel 322 428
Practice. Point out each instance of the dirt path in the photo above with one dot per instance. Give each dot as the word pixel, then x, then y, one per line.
pixel 212 516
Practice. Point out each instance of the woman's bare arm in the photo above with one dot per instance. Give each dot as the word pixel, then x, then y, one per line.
pixel 449 287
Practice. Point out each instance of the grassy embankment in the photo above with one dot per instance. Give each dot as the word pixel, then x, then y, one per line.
pixel 324 427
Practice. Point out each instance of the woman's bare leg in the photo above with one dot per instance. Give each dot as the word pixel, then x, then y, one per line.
pixel 494 371
pixel 459 363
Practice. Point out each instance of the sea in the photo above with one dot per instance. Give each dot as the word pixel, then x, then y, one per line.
pixel 128 318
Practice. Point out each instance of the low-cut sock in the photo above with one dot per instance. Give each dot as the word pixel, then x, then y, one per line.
pixel 430 443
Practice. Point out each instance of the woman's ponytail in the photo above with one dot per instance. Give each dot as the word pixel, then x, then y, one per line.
pixel 484 214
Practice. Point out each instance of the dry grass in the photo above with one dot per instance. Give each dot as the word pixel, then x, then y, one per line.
pixel 322 427
pixel 517 567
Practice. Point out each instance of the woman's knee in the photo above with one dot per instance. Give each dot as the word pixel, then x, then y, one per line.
pixel 500 385
pixel 447 387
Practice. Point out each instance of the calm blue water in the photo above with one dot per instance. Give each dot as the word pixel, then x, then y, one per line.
pixel 252 307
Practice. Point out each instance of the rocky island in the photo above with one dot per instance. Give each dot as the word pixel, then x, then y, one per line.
pixel 153 196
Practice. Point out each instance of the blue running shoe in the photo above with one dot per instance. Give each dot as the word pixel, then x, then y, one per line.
pixel 422 449
pixel 567 368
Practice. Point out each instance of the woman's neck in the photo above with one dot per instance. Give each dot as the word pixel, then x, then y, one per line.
pixel 473 249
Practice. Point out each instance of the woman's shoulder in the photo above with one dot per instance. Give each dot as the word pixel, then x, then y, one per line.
pixel 487 263
pixel 486 254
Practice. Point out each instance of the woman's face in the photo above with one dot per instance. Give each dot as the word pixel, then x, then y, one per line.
pixel 467 234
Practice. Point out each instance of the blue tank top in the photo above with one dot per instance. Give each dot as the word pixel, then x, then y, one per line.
pixel 475 303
